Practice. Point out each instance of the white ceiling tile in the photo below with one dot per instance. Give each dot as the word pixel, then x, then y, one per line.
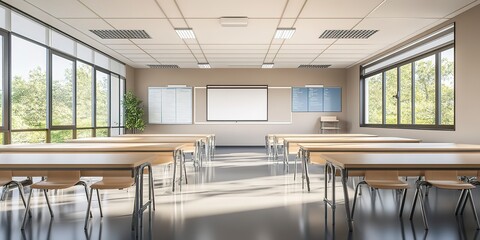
pixel 305 47
pixel 353 46
pixel 170 9
pixel 209 31
pixel 221 8
pixel 123 47
pixel 293 9
pixel 58 8
pixel 125 8
pixel 419 9
pixel 136 55
pixel 160 31
pixel 162 46
pixel 129 51
pixel 207 47
pixel 235 55
pixel 168 51
pixel 339 8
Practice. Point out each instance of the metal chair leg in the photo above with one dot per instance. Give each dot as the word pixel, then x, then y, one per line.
pixel 4 192
pixel 48 202
pixel 88 210
pixel 422 207
pixel 460 203
pixel 185 169
pixel 27 209
pixel 86 192
pixel 474 209
pixel 22 195
pixel 151 187
pixel 99 201
pixel 403 202
pixel 355 197
pixel 414 203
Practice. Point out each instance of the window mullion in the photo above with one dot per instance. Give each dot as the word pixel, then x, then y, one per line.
pixel 413 93
pixel 384 98
pixel 438 88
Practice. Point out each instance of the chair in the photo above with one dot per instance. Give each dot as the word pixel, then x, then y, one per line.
pixel 445 179
pixel 6 182
pixel 55 180
pixel 383 180
pixel 108 182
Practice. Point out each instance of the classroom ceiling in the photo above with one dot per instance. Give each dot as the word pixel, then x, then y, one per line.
pixel 249 46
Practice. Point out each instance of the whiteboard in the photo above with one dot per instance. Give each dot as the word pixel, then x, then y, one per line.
pixel 237 103
pixel 170 105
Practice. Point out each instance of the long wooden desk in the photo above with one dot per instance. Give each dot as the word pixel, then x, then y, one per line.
pixel 165 152
pixel 272 140
pixel 345 162
pixel 210 140
pixel 135 163
pixel 312 152
pixel 197 141
pixel 291 145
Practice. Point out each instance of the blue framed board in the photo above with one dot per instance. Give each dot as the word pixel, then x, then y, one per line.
pixel 316 99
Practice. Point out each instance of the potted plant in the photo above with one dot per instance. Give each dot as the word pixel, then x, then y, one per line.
pixel 133 113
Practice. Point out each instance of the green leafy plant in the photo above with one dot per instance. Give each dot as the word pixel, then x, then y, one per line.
pixel 133 113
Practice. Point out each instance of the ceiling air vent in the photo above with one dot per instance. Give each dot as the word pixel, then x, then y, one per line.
pixel 313 66
pixel 348 34
pixel 121 34
pixel 163 66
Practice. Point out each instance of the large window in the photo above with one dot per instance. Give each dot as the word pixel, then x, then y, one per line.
pixel 54 88
pixel 102 83
pixel 62 91
pixel 28 90
pixel 84 95
pixel 416 91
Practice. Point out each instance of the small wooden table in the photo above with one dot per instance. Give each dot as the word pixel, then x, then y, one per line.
pixel 197 141
pixel 272 140
pixel 136 163
pixel 210 143
pixel 345 162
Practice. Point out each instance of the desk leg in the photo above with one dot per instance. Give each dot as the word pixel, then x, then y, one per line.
pixel 285 155
pixel 347 199
pixel 334 205
pixel 302 161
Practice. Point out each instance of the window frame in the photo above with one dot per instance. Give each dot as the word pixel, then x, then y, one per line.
pixel 5 78
pixel 436 52
pixel 50 92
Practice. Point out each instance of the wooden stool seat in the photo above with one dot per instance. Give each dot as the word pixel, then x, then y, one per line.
pixel 113 183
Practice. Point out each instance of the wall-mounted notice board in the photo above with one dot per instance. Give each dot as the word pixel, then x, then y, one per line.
pixel 170 105
pixel 316 99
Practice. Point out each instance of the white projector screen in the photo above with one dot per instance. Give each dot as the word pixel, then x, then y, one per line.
pixel 237 103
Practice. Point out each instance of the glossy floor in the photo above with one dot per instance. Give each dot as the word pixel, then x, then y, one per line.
pixel 240 195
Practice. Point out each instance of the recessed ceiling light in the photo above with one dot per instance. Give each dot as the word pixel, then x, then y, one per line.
pixel 284 33
pixel 204 65
pixel 267 65
pixel 185 33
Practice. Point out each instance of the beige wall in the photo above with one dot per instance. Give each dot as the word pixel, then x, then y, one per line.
pixel 241 134
pixel 467 77
pixel 130 78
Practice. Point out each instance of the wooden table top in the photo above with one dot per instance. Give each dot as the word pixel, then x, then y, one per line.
pixel 98 161
pixel 92 147
pixel 351 140
pixel 320 135
pixel 137 140
pixel 167 135
pixel 389 147
pixel 465 160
